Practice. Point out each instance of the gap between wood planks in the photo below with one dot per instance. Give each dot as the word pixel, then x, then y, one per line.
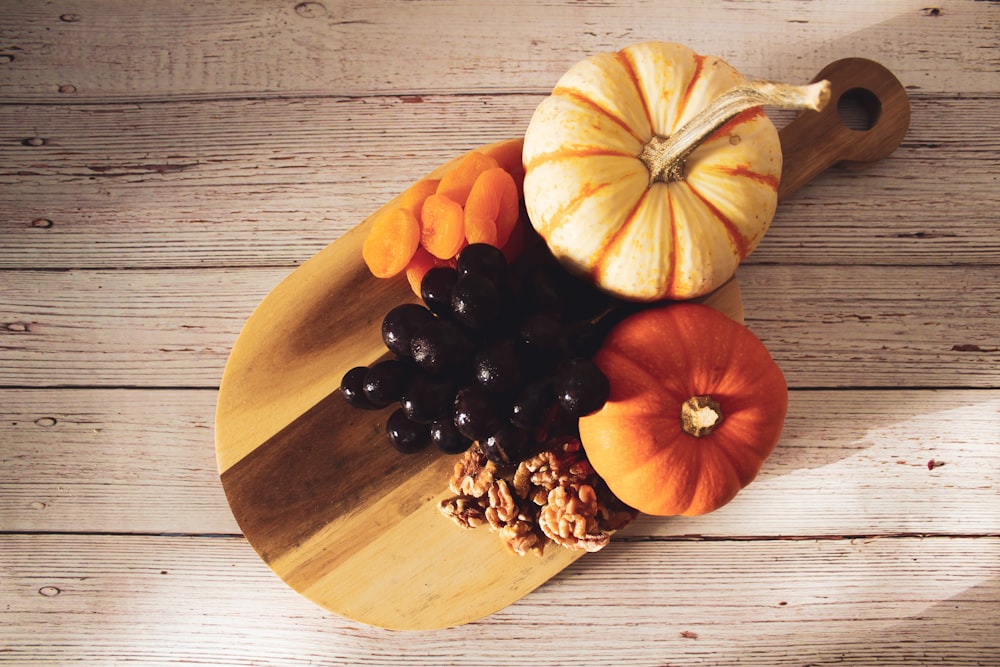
pixel 293 266
pixel 622 539
pixel 139 387
pixel 780 117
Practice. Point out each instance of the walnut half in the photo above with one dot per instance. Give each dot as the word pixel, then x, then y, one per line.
pixel 514 520
pixel 473 474
pixel 569 518
pixel 561 462
pixel 465 511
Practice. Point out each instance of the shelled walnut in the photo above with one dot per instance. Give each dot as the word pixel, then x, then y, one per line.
pixel 514 520
pixel 473 475
pixel 569 518
pixel 553 496
pixel 465 511
pixel 561 463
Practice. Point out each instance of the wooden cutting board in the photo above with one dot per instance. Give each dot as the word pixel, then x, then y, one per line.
pixel 336 512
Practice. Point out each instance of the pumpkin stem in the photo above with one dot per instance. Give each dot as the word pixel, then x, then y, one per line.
pixel 665 156
pixel 700 415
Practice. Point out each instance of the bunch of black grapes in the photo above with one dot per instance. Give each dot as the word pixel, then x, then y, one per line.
pixel 493 355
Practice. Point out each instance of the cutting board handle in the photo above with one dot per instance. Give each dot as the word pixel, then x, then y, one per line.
pixel 816 140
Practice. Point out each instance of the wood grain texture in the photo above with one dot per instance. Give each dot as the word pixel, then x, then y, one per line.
pixel 271 182
pixel 118 50
pixel 111 461
pixel 91 460
pixel 163 166
pixel 764 603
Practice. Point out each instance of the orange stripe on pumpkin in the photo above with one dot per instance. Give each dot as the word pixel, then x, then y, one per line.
pixel 626 63
pixel 607 113
pixel 600 265
pixel 742 246
pixel 568 153
pixel 699 64
pixel 560 217
pixel 742 117
pixel 743 171
pixel 671 276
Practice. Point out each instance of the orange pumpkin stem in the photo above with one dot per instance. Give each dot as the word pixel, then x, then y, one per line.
pixel 700 415
pixel 665 156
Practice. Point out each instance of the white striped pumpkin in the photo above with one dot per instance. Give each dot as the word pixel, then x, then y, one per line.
pixel 590 195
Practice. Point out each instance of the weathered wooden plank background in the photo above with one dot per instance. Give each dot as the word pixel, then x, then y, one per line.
pixel 163 166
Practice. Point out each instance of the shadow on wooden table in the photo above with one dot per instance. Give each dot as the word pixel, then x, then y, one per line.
pixel 960 629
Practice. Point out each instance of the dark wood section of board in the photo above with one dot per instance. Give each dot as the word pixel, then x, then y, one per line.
pixel 816 140
pixel 304 477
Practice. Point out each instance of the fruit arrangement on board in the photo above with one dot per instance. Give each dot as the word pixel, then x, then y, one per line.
pixel 556 351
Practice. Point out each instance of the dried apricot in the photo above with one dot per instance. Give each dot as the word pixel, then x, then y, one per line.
pixel 508 155
pixel 494 196
pixel 391 242
pixel 413 197
pixel 442 226
pixel 457 183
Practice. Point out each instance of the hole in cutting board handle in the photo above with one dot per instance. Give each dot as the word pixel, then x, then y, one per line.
pixel 859 109
pixel 815 141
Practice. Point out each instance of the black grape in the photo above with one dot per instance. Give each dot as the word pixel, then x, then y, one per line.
pixel 533 405
pixel 441 347
pixel 401 323
pixel 428 397
pixel 580 387
pixel 352 387
pixel 405 434
pixel 436 289
pixel 478 414
pixel 484 260
pixel 476 302
pixel 447 437
pixel 385 382
pixel 508 446
pixel 497 366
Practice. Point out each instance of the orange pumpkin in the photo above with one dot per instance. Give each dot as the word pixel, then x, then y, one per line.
pixel 696 406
